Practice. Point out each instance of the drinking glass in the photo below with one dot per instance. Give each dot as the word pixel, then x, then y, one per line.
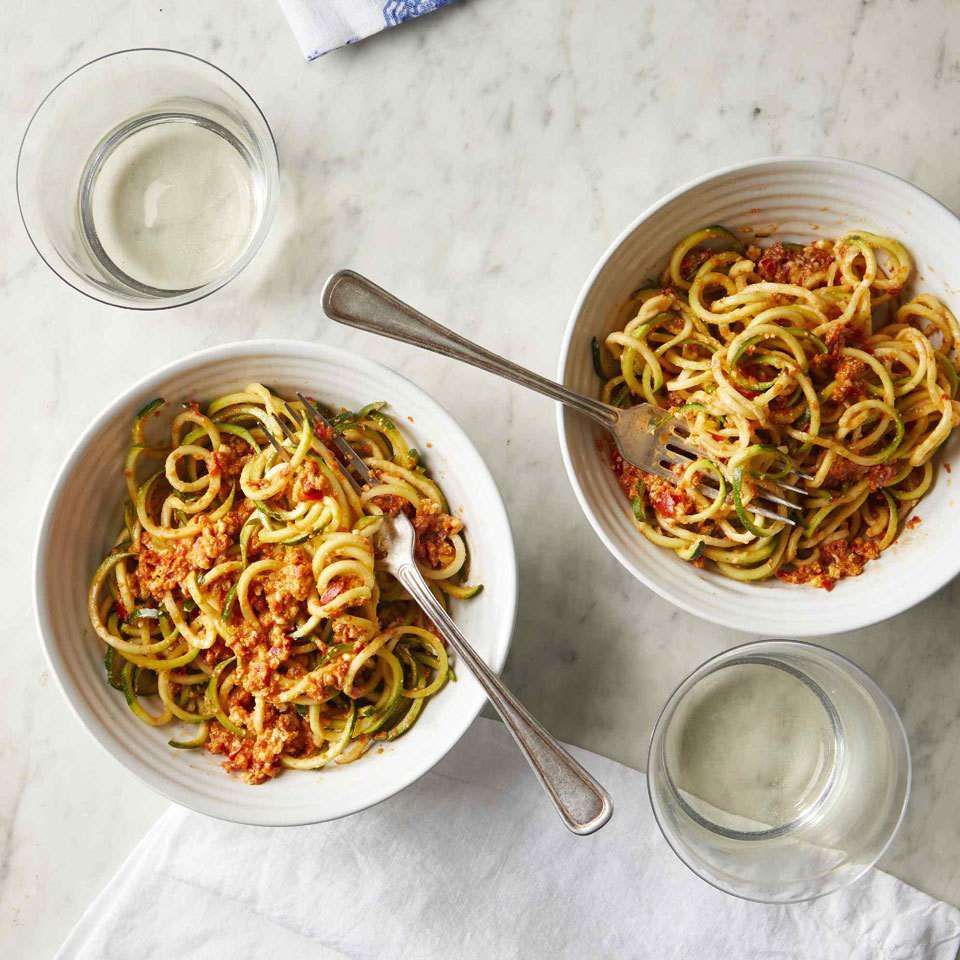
pixel 779 771
pixel 147 178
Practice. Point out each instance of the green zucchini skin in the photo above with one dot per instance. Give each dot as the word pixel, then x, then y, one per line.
pixel 217 605
pixel 807 371
pixel 691 553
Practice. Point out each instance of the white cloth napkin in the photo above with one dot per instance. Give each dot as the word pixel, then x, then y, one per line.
pixel 323 25
pixel 472 862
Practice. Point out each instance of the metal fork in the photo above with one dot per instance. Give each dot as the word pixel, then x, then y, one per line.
pixel 582 803
pixel 646 436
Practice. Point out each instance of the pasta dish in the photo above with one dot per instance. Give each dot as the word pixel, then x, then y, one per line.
pixel 243 595
pixel 793 364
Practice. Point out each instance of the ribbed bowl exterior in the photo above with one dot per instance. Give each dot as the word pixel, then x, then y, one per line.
pixel 83 515
pixel 795 199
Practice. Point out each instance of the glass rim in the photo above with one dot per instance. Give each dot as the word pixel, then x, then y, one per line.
pixel 202 292
pixel 768 833
pixel 875 687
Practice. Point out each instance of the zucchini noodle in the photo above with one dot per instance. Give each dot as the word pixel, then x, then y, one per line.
pixel 243 596
pixel 785 361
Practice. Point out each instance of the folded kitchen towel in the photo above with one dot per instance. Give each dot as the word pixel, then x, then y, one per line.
pixel 324 25
pixel 472 862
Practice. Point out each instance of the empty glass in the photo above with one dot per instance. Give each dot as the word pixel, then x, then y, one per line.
pixel 147 178
pixel 779 771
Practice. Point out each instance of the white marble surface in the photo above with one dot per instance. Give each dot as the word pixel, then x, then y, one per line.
pixel 477 162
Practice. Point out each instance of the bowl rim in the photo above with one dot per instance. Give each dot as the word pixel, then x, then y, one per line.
pixel 207 289
pixel 864 617
pixel 130 761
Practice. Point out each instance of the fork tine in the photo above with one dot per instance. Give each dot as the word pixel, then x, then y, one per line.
pixel 754 507
pixel 288 433
pixel 770 514
pixel 312 415
pixel 684 453
pixel 763 494
pixel 353 458
pixel 682 446
pixel 792 489
pixel 674 457
pixel 276 446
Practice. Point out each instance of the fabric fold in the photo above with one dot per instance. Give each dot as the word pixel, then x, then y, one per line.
pixel 472 862
pixel 323 25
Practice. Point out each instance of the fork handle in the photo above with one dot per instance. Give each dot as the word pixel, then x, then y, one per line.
pixel 581 802
pixel 357 302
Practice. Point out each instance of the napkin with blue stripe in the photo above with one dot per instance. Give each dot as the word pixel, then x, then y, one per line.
pixel 323 25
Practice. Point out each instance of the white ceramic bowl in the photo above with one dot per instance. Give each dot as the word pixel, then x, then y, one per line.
pixel 82 517
pixel 797 199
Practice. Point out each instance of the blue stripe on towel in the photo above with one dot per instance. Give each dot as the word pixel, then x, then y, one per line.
pixel 396 11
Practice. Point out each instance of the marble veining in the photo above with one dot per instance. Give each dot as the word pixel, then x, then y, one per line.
pixel 476 161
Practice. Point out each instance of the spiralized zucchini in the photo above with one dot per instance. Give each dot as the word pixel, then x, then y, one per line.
pixel 243 597
pixel 785 360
